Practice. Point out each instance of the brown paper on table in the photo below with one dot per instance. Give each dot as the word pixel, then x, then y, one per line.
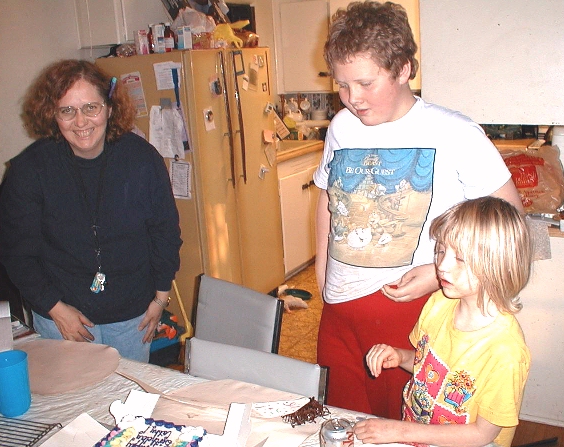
pixel 211 402
pixel 60 366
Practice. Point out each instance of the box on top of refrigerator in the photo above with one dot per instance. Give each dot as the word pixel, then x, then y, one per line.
pixel 141 41
pixel 184 35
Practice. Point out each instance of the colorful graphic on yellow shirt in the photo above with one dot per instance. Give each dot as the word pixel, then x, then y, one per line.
pixel 379 200
pixel 435 394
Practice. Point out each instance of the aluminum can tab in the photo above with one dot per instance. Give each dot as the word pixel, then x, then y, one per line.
pixel 336 432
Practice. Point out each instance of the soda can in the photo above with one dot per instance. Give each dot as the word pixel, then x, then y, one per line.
pixel 336 432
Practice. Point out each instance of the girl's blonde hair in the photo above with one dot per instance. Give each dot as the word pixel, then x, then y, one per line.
pixel 494 240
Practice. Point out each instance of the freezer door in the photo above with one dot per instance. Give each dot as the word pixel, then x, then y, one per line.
pixel 258 200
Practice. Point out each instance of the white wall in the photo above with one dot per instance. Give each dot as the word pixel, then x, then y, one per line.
pixel 34 33
pixel 497 61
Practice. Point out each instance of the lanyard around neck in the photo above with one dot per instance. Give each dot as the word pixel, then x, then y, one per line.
pixel 95 214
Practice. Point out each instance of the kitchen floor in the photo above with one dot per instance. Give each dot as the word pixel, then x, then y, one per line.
pixel 299 340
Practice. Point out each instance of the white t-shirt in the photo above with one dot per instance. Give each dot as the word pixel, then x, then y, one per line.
pixel 386 184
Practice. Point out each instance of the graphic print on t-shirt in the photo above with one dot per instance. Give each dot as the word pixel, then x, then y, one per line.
pixel 379 200
pixel 436 394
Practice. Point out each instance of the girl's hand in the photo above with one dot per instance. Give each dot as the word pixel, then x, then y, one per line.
pixel 377 430
pixel 382 356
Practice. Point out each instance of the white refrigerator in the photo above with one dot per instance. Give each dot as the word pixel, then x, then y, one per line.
pixel 231 226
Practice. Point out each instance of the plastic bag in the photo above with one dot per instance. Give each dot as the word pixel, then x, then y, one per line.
pixel 196 20
pixel 538 176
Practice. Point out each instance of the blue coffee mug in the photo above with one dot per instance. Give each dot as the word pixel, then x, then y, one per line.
pixel 15 393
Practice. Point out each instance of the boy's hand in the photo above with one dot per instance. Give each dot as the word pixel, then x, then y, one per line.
pixel 414 284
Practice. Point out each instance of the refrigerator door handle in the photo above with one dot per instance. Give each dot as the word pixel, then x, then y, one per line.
pixel 228 117
pixel 236 74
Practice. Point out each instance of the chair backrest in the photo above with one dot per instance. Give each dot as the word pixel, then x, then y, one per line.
pixel 216 361
pixel 236 315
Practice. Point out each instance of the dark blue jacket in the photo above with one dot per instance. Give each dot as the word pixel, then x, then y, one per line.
pixel 46 240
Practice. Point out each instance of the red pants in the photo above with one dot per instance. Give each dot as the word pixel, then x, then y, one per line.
pixel 346 332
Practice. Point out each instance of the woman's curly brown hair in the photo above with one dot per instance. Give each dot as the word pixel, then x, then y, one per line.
pixel 43 96
pixel 381 30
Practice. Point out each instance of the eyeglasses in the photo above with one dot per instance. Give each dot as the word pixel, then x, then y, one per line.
pixel 90 109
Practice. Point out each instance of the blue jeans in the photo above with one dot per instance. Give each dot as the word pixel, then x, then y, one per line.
pixel 123 336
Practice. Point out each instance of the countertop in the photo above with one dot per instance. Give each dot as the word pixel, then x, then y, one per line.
pixel 288 149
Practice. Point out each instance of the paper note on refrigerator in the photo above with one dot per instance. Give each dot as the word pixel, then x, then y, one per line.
pixel 166 131
pixel 181 179
pixel 163 74
pixel 134 85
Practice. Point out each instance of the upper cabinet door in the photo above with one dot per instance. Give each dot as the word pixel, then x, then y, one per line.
pixel 100 22
pixel 303 31
pixel 412 9
pixel 111 22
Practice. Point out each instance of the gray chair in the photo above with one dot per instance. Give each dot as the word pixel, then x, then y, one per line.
pixel 236 315
pixel 216 361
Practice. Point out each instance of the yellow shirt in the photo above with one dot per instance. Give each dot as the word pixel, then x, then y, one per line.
pixel 460 375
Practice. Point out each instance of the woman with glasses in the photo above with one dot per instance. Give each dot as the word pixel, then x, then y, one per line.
pixel 89 229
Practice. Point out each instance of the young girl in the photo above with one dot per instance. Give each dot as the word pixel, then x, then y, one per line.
pixel 470 362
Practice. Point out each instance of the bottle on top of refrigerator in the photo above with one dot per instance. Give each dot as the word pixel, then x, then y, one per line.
pixel 168 38
pixel 150 39
pixel 158 38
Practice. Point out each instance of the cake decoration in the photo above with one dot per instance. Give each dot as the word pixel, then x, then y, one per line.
pixel 146 432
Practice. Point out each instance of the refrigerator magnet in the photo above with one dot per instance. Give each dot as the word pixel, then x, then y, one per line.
pixel 209 121
pixel 246 83
pixel 270 153
pixel 268 136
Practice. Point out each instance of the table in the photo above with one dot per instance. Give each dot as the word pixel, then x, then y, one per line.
pixel 95 400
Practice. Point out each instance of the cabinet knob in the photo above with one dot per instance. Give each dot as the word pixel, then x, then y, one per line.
pixel 324 74
pixel 307 185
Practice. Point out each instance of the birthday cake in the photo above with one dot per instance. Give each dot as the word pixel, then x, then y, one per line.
pixel 142 432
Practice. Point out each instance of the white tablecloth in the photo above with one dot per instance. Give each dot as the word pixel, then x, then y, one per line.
pixel 95 401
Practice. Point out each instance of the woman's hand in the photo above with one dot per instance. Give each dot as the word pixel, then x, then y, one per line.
pixel 152 316
pixel 71 322
pixel 414 284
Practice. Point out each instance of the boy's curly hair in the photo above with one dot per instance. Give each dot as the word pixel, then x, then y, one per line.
pixel 379 29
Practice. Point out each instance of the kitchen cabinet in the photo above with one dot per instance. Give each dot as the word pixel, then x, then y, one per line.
pixel 298 201
pixel 303 28
pixel 110 22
